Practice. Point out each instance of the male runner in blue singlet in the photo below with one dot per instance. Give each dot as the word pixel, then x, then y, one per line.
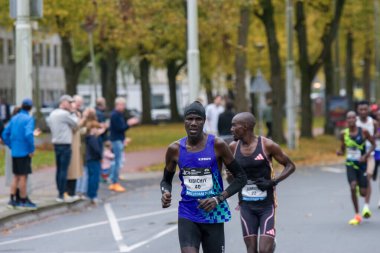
pixel 257 199
pixel 203 208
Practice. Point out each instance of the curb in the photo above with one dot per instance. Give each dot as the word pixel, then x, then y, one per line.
pixel 23 217
pixel 19 218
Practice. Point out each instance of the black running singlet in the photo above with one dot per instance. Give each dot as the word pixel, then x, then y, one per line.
pixel 256 165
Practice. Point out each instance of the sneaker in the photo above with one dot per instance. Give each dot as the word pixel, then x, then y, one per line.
pixel 356 220
pixel 29 205
pixel 366 213
pixel 118 188
pixel 68 199
pixel 59 200
pixel 12 204
pixel 111 187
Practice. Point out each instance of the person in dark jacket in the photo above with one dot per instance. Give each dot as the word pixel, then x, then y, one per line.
pixel 93 159
pixel 19 137
pixel 225 122
pixel 118 126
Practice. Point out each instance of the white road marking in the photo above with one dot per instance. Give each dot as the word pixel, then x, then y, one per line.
pixel 90 225
pixel 115 228
pixel 161 234
pixel 333 170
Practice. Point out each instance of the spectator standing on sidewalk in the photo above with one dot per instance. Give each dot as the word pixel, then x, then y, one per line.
pixel 118 126
pixel 225 122
pixel 212 115
pixel 93 158
pixel 75 170
pixel 62 122
pixel 19 137
pixel 108 160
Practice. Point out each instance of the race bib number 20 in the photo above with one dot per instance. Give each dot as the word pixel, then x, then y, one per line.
pixel 198 182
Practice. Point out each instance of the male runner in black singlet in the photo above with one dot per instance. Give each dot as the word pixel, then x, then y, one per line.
pixel 202 210
pixel 257 199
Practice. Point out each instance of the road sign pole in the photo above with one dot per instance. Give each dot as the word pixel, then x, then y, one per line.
pixel 24 65
pixel 192 49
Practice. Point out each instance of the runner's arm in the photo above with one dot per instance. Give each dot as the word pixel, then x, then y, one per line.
pixel 342 149
pixel 276 152
pixel 239 176
pixel 169 172
pixel 369 138
pixel 230 177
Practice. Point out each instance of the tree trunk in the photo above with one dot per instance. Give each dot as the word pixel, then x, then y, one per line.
pixel 309 70
pixel 367 71
pixel 306 76
pixel 71 68
pixel 208 87
pixel 230 89
pixel 241 102
pixel 328 68
pixel 145 91
pixel 350 68
pixel 172 72
pixel 276 80
pixel 108 75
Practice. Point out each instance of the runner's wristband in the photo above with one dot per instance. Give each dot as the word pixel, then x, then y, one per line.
pixel 216 200
pixel 220 198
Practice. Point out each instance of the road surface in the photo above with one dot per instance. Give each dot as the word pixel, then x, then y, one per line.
pixel 314 207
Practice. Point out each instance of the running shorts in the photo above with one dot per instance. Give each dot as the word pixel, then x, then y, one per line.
pixel 192 234
pixel 357 175
pixel 22 165
pixel 255 217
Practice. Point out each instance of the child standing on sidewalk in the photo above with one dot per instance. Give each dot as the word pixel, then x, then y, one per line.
pixel 108 160
pixel 93 159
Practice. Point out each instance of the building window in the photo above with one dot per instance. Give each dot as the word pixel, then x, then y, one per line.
pixel 11 55
pixel 56 54
pixel 47 55
pixel 1 51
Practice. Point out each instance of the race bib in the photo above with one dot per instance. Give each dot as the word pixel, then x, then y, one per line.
pixel 198 182
pixel 251 192
pixel 353 154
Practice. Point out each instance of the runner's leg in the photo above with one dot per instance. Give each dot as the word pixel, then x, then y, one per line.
pixel 213 238
pixel 189 235
pixel 250 227
pixel 267 229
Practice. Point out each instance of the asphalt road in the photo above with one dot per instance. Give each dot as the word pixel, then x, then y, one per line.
pixel 314 208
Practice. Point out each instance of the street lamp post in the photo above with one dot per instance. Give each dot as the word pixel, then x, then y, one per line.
pixel 24 69
pixel 192 49
pixel 290 91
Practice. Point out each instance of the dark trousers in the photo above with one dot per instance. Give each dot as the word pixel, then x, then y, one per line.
pixel 62 159
pixel 93 168
pixel 71 185
pixel 269 127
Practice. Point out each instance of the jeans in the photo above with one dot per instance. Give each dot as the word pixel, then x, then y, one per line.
pixel 118 149
pixel 93 168
pixel 62 159
pixel 82 182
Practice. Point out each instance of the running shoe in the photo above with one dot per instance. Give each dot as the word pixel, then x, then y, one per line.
pixel 366 213
pixel 12 204
pixel 118 188
pixel 59 200
pixel 111 187
pixel 356 220
pixel 28 205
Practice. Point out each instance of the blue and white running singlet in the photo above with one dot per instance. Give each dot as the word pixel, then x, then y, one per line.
pixel 201 179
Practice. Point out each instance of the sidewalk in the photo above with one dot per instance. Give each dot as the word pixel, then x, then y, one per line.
pixel 43 188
